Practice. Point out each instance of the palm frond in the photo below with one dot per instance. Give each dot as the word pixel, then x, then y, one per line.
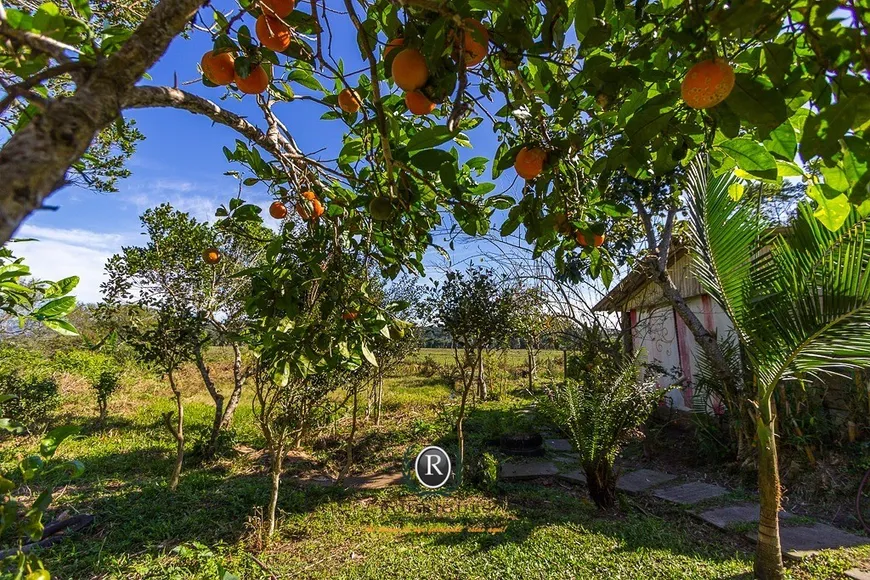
pixel 725 234
pixel 810 306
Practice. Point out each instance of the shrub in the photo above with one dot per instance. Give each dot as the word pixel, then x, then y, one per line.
pixel 601 413
pixel 85 363
pixel 36 397
pixel 108 382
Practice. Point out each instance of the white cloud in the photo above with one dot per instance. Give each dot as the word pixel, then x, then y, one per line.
pixel 69 252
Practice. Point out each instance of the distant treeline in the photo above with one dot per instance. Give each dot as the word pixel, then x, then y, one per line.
pixel 434 337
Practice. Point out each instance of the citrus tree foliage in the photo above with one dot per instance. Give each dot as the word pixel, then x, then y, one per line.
pixel 103 164
pixel 43 301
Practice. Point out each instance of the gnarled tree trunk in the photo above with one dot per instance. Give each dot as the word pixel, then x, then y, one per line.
pixel 177 432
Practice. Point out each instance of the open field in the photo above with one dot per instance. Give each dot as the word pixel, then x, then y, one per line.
pixel 208 525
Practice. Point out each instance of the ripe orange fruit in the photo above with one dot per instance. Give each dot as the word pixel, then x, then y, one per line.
pixel 218 68
pixel 410 71
pixel 317 208
pixel 707 84
pixel 278 210
pixel 392 45
pixel 279 8
pixel 418 103
pixel 530 162
pixel 351 315
pixel 476 42
pixel 597 239
pixel 349 101
pixel 211 256
pixel 272 33
pixel 255 83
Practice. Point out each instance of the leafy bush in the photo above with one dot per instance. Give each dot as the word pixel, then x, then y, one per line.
pixel 600 414
pixel 35 395
pixel 105 386
pixel 483 472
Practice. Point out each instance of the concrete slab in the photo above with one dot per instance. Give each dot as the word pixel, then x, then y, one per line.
pixel 374 481
pixel 690 493
pixel 530 470
pixel 735 514
pixel 642 480
pixel 569 458
pixel 856 574
pixel 559 445
pixel 803 541
pixel 576 477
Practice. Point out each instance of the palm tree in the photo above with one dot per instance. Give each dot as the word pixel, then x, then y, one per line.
pixel 800 303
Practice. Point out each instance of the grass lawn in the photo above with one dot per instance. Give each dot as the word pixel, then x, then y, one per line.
pixel 209 525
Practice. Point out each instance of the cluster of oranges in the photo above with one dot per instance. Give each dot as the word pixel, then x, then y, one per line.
pixel 707 84
pixel 272 32
pixel 411 73
pixel 309 208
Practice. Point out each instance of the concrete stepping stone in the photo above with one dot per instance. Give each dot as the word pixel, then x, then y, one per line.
pixel 801 541
pixel 567 458
pixel 374 481
pixel 560 445
pixel 690 493
pixel 735 514
pixel 531 470
pixel 642 480
pixel 856 574
pixel 577 477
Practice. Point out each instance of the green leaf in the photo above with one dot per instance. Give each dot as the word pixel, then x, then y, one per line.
pixel 782 142
pixel 61 327
pixel 757 105
pixel 431 159
pixel 56 308
pixel 584 17
pixel 736 191
pixel 429 138
pixel 833 206
pixel 368 354
pixel 750 157
pixel 306 79
pixel 54 438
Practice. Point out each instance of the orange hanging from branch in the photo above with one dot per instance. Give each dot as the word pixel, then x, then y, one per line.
pixel 707 84
pixel 218 68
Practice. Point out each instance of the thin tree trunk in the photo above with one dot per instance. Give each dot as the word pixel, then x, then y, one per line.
pixel 564 364
pixel 277 450
pixel 238 385
pixel 349 462
pixel 103 411
pixel 601 483
pixel 380 398
pixel 467 384
pixel 481 380
pixel 531 367
pixel 218 403
pixel 768 555
pixel 177 432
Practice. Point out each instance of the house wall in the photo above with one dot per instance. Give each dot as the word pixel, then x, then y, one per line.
pixel 669 343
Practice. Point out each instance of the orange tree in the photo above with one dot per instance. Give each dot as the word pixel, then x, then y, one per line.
pixel 574 90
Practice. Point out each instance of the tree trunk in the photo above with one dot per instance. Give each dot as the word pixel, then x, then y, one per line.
pixel 532 367
pixel 349 462
pixel 275 472
pixel 177 432
pixel 238 385
pixel 768 555
pixel 103 411
pixel 35 160
pixel 218 403
pixel 467 384
pixel 564 364
pixel 601 482
pixel 379 397
pixel 481 380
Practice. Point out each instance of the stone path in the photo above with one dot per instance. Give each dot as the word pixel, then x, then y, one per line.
pixel 797 541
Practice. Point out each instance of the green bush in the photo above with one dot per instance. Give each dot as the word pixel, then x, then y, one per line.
pixel 108 382
pixel 27 375
pixel 36 397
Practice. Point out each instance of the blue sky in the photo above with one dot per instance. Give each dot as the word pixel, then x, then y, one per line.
pixel 181 162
